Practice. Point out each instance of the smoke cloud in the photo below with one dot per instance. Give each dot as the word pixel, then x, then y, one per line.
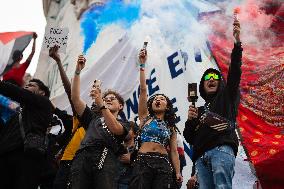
pixel 114 12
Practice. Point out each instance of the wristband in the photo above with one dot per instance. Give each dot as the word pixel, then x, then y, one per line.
pixel 142 69
pixel 142 65
pixel 77 72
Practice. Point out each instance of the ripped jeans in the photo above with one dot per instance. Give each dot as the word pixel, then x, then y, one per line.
pixel 215 169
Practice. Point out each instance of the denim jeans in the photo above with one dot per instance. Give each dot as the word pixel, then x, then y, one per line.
pixel 215 169
pixel 122 186
pixel 152 171
pixel 85 173
pixel 125 173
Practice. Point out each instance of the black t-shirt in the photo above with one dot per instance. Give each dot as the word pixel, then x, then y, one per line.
pixel 97 130
pixel 36 116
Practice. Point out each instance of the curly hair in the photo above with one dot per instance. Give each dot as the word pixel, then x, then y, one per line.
pixel 170 115
pixel 116 94
pixel 41 86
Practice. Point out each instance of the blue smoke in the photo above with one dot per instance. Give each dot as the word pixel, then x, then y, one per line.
pixel 97 17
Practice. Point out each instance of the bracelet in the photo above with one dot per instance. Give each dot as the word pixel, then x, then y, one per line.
pixel 142 65
pixel 77 72
pixel 142 69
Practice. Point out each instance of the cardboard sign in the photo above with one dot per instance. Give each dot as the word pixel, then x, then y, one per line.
pixel 55 36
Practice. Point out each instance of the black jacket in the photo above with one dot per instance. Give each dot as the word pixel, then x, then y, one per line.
pixel 36 116
pixel 216 120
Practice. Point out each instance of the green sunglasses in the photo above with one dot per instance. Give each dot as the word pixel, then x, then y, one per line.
pixel 213 75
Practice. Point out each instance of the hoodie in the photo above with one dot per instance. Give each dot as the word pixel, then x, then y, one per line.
pixel 215 124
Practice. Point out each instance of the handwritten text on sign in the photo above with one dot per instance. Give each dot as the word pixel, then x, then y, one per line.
pixel 56 36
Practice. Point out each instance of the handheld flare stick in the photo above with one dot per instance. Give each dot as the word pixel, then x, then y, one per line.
pixel 192 93
pixel 237 11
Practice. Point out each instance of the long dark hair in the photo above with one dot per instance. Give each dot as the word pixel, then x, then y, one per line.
pixel 170 115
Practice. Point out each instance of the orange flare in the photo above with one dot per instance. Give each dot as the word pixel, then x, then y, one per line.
pixel 237 10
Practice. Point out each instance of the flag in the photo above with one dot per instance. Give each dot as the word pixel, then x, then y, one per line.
pixel 9 43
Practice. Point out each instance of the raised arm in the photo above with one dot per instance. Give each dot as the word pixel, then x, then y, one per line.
pixel 79 104
pixel 234 74
pixel 22 96
pixel 30 57
pixel 53 53
pixel 142 107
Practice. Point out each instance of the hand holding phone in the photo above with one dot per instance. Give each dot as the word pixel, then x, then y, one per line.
pixel 97 84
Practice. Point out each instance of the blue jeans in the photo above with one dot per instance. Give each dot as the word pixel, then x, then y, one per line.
pixel 122 186
pixel 215 169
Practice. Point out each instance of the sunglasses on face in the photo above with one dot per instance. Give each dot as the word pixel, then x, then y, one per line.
pixel 213 75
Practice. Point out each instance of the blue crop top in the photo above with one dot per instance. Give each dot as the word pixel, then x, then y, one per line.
pixel 156 131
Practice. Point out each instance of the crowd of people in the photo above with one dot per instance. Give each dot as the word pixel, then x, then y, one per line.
pixel 101 149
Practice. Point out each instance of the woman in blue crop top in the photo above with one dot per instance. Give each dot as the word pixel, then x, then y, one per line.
pixel 157 158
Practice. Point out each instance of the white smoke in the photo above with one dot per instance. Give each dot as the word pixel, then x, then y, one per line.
pixel 170 25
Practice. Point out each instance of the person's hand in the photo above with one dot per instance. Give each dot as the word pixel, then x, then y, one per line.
pixel 81 61
pixel 34 35
pixel 143 56
pixel 96 95
pixel 125 158
pixel 192 112
pixel 237 30
pixel 179 178
pixel 53 53
pixel 191 182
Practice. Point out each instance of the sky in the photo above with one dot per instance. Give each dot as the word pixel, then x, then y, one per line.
pixel 24 15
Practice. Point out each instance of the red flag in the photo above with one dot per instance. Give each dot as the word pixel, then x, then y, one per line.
pixel 9 43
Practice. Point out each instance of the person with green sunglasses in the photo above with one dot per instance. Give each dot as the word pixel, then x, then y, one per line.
pixel 211 128
pixel 211 75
